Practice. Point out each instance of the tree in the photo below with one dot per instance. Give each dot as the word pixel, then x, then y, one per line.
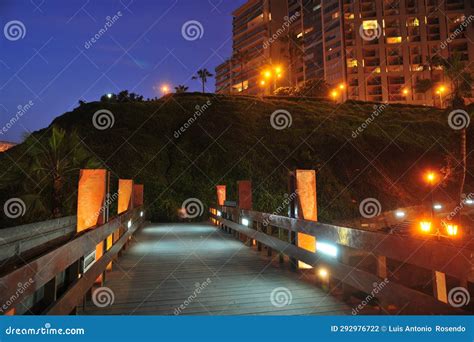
pixel 203 75
pixel 46 175
pixel 313 88
pixel 456 70
pixel 181 89
pixel 294 53
pixel 423 85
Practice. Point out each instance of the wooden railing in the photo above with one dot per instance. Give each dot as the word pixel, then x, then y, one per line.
pixel 405 263
pixel 58 281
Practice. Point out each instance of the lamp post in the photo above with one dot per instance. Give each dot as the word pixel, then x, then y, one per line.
pixel 334 95
pixel 271 74
pixel 405 93
pixel 440 91
pixel 431 178
pixel 342 88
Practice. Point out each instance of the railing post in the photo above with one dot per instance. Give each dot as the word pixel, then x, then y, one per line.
pixel 292 213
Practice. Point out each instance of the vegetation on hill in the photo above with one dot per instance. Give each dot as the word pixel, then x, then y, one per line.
pixel 182 145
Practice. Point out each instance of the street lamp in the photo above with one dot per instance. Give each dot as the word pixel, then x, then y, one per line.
pixel 431 177
pixel 165 89
pixel 334 94
pixel 405 93
pixel 440 91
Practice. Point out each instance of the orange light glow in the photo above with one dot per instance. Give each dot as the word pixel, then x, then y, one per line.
pixel 323 273
pixel 165 89
pixel 267 74
pixel 278 70
pixel 405 91
pixel 431 177
pixel 262 82
pixel 334 93
pixel 452 229
pixel 425 226
pixel 342 86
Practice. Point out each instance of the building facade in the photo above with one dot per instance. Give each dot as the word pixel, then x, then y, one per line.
pixel 379 50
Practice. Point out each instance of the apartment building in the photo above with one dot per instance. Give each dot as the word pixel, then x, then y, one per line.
pixel 254 25
pixel 379 49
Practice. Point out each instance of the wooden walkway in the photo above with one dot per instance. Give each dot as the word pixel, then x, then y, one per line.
pixel 197 269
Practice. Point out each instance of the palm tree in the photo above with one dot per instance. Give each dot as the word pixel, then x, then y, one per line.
pixel 47 173
pixel 202 75
pixel 460 77
pixel 181 89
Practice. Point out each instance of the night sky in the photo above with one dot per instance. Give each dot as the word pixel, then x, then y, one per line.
pixel 53 63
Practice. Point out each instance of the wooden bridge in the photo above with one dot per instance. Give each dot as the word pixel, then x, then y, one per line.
pixel 242 262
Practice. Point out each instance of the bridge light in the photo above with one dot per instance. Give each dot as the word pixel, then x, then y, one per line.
pixel 219 213
pixel 245 222
pixel 425 226
pixel 323 273
pixel 129 224
pixel 326 248
pixel 452 229
pixel 400 214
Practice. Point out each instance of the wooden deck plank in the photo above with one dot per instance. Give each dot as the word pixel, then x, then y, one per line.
pixel 166 264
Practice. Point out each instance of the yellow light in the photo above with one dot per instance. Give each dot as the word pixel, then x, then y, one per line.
pixel 334 93
pixel 342 86
pixel 441 89
pixel 262 82
pixel 425 226
pixel 267 74
pixel 405 91
pixel 452 229
pixel 278 70
pixel 323 273
pixel 165 89
pixel 431 177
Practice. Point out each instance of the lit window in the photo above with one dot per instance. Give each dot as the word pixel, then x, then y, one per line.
pixel 370 25
pixel 335 15
pixel 394 40
pixel 352 63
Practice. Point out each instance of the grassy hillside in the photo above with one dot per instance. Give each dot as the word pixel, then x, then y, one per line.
pixel 233 139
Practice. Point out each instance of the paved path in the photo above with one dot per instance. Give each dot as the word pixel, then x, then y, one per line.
pixel 197 269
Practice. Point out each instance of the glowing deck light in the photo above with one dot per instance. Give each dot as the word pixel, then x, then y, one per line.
pixel 129 224
pixel 326 248
pixel 323 273
pixel 141 213
pixel 425 226
pixel 245 222
pixel 452 229
pixel 437 206
pixel 400 214
pixel 219 213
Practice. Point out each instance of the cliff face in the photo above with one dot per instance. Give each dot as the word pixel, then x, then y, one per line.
pixel 5 146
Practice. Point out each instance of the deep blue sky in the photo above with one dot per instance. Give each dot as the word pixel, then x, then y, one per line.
pixel 144 48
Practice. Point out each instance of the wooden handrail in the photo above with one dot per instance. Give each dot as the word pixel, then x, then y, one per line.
pixel 452 257
pixel 430 254
pixel 41 270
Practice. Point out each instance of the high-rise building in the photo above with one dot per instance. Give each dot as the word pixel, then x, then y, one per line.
pixel 254 49
pixel 377 50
